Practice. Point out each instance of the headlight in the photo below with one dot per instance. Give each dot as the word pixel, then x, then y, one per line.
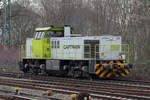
pixel 123 56
pixel 111 38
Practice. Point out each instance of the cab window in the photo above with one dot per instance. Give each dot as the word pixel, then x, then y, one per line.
pixel 39 35
pixel 49 34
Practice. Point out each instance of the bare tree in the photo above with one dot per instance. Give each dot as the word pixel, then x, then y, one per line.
pixel 23 23
pixel 128 18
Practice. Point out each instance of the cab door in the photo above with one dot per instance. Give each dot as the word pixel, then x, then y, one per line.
pixel 46 48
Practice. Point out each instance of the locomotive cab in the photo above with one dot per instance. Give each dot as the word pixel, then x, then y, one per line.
pixel 41 42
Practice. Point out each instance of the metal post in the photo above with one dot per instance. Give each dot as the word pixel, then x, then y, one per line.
pixel 6 22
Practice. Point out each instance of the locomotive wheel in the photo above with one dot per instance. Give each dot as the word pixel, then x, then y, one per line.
pixel 42 69
pixel 77 73
pixel 26 68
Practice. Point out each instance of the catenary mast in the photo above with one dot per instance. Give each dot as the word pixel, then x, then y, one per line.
pixel 6 22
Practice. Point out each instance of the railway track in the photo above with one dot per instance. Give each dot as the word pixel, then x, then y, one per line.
pixel 6 94
pixel 98 89
pixel 47 78
pixel 129 83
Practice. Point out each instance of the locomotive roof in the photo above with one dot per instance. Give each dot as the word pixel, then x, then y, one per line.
pixel 50 29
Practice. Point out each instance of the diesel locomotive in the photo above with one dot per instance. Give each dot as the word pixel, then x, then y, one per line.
pixel 59 51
